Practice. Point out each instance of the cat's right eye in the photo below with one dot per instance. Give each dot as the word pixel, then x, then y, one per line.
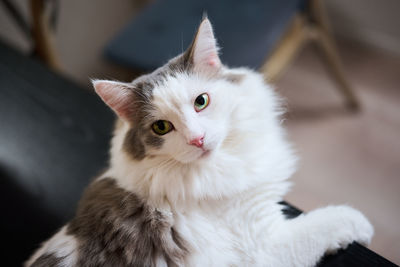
pixel 162 127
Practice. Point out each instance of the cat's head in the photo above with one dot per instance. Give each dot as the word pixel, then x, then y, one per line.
pixel 181 110
pixel 196 129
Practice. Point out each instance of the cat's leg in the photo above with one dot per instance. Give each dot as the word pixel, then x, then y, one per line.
pixel 303 241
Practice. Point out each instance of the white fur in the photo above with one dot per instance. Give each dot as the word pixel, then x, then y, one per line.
pixel 225 205
pixel 242 133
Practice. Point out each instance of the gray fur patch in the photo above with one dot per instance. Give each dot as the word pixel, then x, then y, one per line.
pixel 154 141
pixel 139 135
pixel 115 228
pixel 47 260
pixel 133 144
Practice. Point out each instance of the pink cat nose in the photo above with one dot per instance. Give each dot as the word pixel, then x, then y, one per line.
pixel 198 141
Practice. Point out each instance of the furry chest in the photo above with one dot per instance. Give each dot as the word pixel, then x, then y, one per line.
pixel 222 239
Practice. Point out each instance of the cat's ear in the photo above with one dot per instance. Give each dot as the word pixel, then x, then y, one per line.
pixel 203 52
pixel 118 96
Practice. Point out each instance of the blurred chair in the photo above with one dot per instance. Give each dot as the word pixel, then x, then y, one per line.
pixel 260 34
pixel 44 24
pixel 40 31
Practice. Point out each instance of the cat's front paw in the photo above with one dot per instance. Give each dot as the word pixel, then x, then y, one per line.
pixel 350 225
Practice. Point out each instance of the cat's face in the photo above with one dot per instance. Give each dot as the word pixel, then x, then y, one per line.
pixel 193 115
pixel 181 110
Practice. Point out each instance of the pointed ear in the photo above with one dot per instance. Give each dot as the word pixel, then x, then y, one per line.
pixel 118 96
pixel 203 52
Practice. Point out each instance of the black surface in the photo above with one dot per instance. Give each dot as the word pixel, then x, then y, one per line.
pixel 246 30
pixel 355 255
pixel 54 138
pixel 289 211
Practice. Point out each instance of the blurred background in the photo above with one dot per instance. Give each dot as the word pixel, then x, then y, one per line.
pixel 336 62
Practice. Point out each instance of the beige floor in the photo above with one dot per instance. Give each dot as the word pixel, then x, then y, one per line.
pixel 348 158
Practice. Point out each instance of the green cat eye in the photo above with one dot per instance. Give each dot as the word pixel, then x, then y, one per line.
pixel 201 102
pixel 162 127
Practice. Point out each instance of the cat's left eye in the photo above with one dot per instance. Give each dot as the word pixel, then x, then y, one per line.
pixel 201 102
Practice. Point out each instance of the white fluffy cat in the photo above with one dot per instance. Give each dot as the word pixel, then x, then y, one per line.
pixel 199 164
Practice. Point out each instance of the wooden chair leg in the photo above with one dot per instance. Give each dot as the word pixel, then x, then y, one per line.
pixel 325 41
pixel 286 49
pixel 330 54
pixel 42 36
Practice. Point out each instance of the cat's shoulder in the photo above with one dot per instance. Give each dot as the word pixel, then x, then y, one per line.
pixel 116 225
